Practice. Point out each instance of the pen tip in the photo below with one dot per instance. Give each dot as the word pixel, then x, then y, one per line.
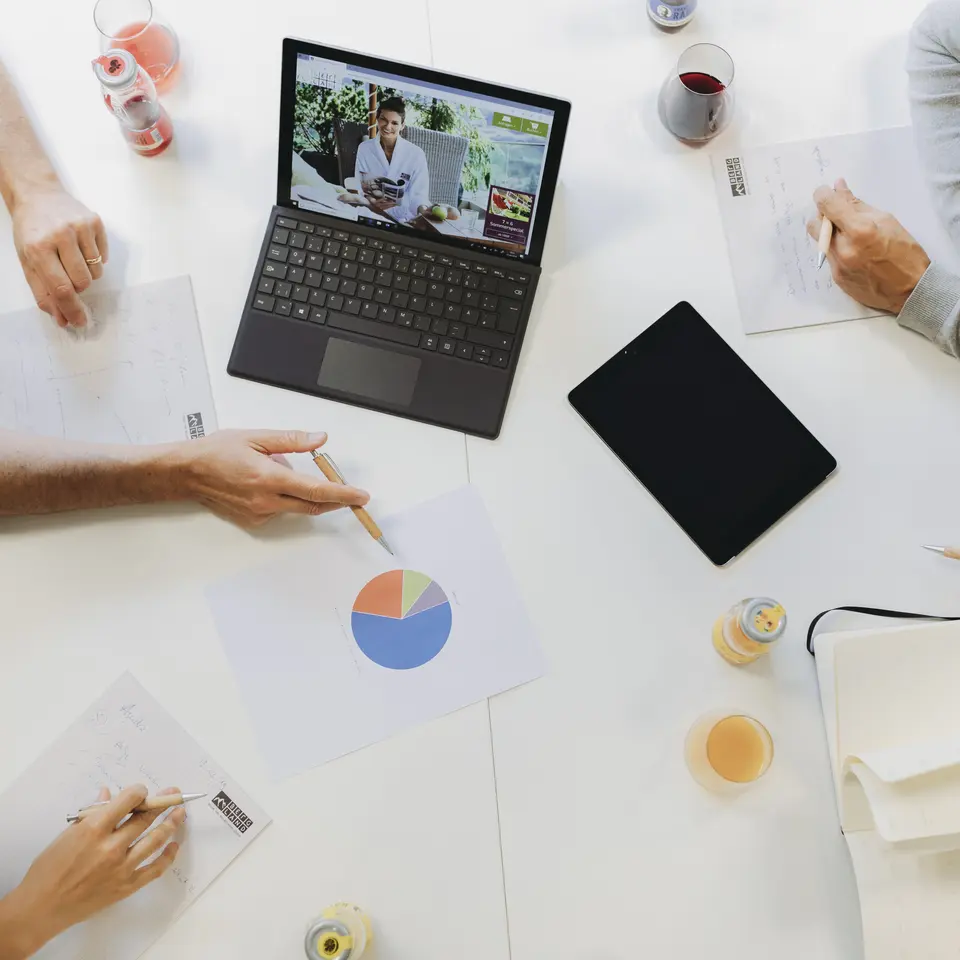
pixel 386 546
pixel 820 260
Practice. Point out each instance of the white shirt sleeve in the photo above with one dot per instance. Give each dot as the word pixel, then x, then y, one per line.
pixel 418 187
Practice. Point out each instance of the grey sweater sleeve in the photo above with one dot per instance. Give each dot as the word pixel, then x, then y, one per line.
pixel 933 66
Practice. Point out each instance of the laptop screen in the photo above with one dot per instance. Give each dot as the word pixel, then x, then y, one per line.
pixel 380 148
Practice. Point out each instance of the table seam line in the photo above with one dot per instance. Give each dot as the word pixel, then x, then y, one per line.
pixel 496 798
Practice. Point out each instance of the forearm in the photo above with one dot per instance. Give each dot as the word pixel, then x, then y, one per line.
pixel 42 475
pixel 20 936
pixel 24 165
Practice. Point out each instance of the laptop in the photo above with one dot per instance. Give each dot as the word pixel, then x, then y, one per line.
pixel 400 263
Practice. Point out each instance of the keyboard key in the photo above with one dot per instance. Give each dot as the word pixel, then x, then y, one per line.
pixel 384 278
pixel 331 265
pixel 284 289
pixel 471 315
pixel 298 240
pixel 298 258
pixel 387 315
pixel 472 298
pixel 435 290
pixel 440 327
pixel 331 248
pixel 500 359
pixel 508 289
pixel 335 302
pixel 340 235
pixel 370 310
pixel 382 295
pixel 464 350
pixel 296 274
pixel 315 245
pixel 287 222
pixel 401 282
pixel 353 306
pixel 436 273
pixel 418 269
pixel 280 235
pixel 384 261
pixel 375 244
pixel 265 285
pixel 301 311
pixel 449 347
pixel 451 311
pixel 446 261
pixel 418 286
pixel 263 302
pixel 490 338
pixel 324 232
pixel 277 253
pixel 422 323
pixel 348 288
pixel 300 294
pixel 471 282
pixel 315 261
pixel 365 291
pixel 498 273
pixel 371 328
pixel 393 248
pixel 277 270
pixel 405 318
pixel 330 283
pixel 318 316
pixel 454 294
pixel 428 255
pixel 283 307
pixel 518 278
pixel 479 268
pixel 368 274
pixel 313 279
pixel 434 308
pixel 317 298
pixel 455 277
pixel 418 303
pixel 482 351
pixel 305 227
pixel 509 317
pixel 458 331
pixel 489 303
pixel 367 256
pixel 398 299
pixel 349 270
pixel 411 252
pixel 488 321
pixel 480 358
pixel 462 264
pixel 429 342
pixel 401 265
pixel 355 238
pixel 488 285
pixel 350 252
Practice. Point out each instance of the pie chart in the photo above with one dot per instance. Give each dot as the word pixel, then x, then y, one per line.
pixel 401 619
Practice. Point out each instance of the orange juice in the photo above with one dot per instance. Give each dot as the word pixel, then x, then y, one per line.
pixel 726 752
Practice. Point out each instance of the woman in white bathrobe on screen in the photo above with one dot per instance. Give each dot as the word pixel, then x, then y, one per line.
pixel 389 155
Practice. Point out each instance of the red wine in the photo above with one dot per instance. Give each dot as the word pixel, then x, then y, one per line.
pixel 701 83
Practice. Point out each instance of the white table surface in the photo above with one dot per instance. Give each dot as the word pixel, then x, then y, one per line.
pixel 558 821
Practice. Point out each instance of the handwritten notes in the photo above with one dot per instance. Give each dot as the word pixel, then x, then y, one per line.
pixel 137 375
pixel 126 737
pixel 766 200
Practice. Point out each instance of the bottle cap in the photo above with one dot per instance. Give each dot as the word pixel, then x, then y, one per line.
pixel 115 68
pixel 763 620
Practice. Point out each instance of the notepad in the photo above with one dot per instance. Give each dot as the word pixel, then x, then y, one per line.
pixel 766 198
pixel 126 737
pixel 893 728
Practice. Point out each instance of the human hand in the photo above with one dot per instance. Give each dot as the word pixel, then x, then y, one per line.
pixel 56 236
pixel 92 865
pixel 382 205
pixel 872 256
pixel 241 475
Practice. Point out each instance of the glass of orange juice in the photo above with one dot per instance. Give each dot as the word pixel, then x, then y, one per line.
pixel 135 26
pixel 728 751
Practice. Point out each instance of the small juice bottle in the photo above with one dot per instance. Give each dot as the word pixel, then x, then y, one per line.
pixel 749 630
pixel 341 932
pixel 131 97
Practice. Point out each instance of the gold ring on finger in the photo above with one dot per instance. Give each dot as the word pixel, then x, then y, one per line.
pixel 95 261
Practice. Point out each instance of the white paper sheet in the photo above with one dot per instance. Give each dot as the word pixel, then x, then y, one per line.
pixel 289 634
pixel 126 737
pixel 137 376
pixel 766 199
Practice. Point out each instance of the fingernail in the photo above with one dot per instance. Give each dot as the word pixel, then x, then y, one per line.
pixel 318 438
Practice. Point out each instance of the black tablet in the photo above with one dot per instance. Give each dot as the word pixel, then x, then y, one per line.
pixel 703 433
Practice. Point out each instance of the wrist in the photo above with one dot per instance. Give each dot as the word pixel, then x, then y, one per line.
pixel 23 930
pixel 167 472
pixel 32 184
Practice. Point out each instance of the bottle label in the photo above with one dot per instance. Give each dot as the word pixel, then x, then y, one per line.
pixel 671 14
pixel 146 139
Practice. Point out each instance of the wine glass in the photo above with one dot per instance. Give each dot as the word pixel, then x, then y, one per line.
pixel 697 100
pixel 134 25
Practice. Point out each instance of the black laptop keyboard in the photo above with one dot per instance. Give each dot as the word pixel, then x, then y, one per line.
pixel 450 305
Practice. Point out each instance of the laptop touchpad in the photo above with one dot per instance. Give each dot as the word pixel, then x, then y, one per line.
pixel 369 372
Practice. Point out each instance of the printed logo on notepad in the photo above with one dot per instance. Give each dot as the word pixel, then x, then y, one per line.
pixel 231 812
pixel 194 425
pixel 738 185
